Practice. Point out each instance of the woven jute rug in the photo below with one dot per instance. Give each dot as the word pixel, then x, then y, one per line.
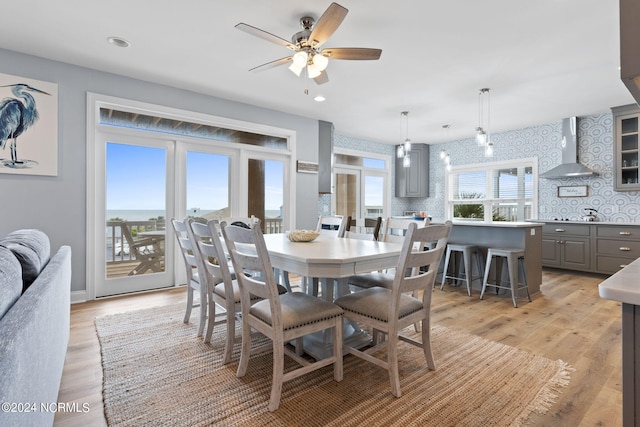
pixel 157 373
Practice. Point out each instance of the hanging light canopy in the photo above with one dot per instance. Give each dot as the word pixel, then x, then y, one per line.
pixel 403 150
pixel 483 134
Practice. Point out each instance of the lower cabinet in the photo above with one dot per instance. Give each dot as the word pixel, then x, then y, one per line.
pixel 566 246
pixel 603 249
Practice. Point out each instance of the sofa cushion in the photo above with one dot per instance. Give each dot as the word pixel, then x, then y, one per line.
pixel 32 249
pixel 10 280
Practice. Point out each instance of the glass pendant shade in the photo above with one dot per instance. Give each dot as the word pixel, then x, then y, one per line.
pixel 400 151
pixel 488 152
pixel 443 154
pixel 481 137
pixel 407 145
pixel 406 162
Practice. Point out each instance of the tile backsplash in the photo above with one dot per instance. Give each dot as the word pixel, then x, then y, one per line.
pixel 595 150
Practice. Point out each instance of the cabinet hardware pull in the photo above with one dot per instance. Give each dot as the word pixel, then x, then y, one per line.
pixel 624 248
pixel 559 230
pixel 625 233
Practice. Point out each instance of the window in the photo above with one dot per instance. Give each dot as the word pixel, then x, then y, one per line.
pixel 500 191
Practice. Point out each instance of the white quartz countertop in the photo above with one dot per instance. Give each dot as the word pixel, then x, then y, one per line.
pixel 557 221
pixel 497 224
pixel 623 286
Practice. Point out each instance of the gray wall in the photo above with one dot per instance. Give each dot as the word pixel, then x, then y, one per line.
pixel 57 205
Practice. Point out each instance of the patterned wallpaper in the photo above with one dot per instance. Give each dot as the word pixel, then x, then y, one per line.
pixel 595 150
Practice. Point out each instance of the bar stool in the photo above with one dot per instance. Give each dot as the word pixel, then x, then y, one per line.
pixel 514 258
pixel 467 252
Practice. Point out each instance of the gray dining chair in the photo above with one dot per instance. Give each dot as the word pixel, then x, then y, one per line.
pixel 194 283
pixel 390 310
pixel 281 318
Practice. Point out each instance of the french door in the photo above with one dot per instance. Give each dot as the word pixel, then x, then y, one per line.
pixel 359 193
pixel 134 251
pixel 147 181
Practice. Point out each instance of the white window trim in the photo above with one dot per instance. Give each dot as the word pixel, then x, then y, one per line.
pixel 385 173
pixel 95 200
pixel 502 164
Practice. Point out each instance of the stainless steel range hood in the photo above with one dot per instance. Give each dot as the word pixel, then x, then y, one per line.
pixel 570 168
pixel 630 46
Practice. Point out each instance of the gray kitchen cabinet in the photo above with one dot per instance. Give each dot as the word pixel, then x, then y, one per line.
pixel 626 162
pixel 592 247
pixel 566 246
pixel 616 247
pixel 413 181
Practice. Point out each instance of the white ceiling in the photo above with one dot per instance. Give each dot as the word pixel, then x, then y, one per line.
pixel 543 59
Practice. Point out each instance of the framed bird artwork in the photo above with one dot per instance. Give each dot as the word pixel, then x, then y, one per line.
pixel 28 126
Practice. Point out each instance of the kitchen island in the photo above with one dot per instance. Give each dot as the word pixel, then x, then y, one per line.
pixel 517 235
pixel 623 286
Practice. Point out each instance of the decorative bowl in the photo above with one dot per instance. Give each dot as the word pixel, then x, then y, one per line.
pixel 302 235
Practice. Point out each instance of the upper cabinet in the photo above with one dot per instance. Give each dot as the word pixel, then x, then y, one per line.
pixel 625 159
pixel 413 181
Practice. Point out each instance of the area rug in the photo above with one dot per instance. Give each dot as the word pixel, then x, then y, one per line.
pixel 157 373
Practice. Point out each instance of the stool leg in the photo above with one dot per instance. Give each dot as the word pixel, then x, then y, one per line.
pixel 466 259
pixel 487 268
pixel 498 273
pixel 446 268
pixel 523 268
pixel 512 265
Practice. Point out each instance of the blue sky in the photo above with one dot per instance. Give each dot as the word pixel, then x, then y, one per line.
pixel 136 178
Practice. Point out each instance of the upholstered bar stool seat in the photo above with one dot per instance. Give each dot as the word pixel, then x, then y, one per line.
pixel 467 252
pixel 515 258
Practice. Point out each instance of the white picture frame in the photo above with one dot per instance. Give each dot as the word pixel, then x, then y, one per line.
pixel 28 108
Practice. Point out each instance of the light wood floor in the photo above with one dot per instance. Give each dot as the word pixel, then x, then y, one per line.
pixel 567 321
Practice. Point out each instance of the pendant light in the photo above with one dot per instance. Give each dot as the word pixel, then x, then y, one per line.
pixel 403 150
pixel 446 159
pixel 483 131
pixel 481 134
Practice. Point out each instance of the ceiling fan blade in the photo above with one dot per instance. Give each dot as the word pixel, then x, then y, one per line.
pixel 327 24
pixel 272 64
pixel 265 35
pixel 356 53
pixel 322 78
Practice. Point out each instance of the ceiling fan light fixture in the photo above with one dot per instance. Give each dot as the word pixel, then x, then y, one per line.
pixel 320 61
pixel 300 58
pixel 295 69
pixel 313 71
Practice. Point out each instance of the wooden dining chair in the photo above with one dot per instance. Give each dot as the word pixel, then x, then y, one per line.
pixel 194 285
pixel 393 231
pixel 388 311
pixel 332 225
pixel 281 318
pixel 363 228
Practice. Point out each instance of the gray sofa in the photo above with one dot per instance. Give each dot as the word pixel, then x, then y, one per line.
pixel 34 326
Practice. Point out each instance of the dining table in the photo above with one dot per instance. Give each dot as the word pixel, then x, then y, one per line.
pixel 332 260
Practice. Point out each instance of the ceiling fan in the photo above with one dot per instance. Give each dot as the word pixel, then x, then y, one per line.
pixel 307 44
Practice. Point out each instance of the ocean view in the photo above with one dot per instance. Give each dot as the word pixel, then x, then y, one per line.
pixel 146 214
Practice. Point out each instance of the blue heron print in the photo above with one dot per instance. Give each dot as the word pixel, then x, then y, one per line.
pixel 16 117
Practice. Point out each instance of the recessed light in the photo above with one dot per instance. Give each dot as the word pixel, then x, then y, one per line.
pixel 117 41
pixel 319 98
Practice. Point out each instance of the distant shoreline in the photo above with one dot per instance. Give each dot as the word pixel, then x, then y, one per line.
pixel 146 214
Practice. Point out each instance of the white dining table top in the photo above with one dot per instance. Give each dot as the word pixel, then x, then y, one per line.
pixel 330 257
